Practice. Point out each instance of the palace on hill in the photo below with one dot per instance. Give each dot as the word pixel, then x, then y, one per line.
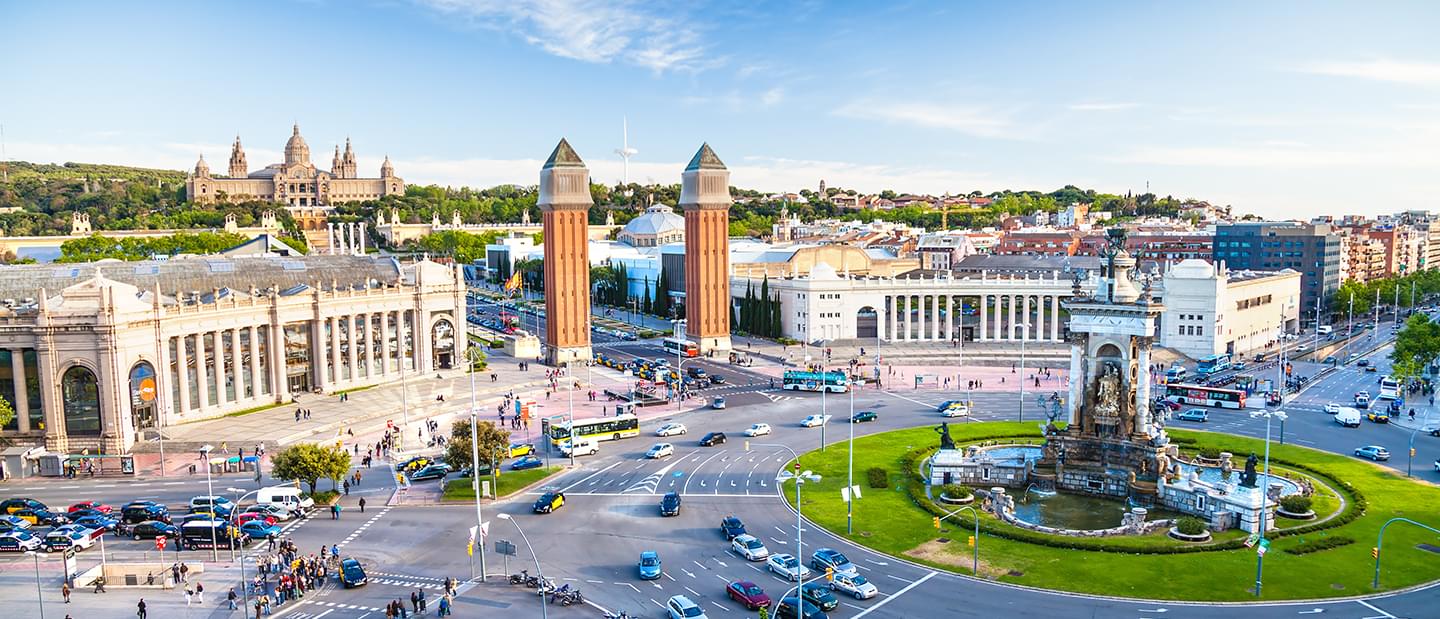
pixel 296 182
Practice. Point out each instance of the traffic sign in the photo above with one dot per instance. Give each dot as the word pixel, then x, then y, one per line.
pixel 1250 541
pixel 160 542
pixel 1264 547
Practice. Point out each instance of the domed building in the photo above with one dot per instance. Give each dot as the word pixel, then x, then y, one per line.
pixel 658 226
pixel 297 182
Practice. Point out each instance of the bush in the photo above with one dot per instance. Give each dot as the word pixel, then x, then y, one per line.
pixel 1209 453
pixel 1320 543
pixel 1190 525
pixel 326 497
pixel 955 491
pixel 787 341
pixel 1295 504
pixel 878 477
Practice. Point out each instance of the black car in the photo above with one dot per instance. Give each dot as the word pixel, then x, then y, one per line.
pixel 716 379
pixel 712 439
pixel 434 471
pixel 352 574
pixel 696 372
pixel 151 529
pixel 10 506
pixel 819 594
pixel 670 504
pixel 794 608
pixel 135 513
pixel 732 527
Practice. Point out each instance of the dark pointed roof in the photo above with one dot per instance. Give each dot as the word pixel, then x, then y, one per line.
pixel 563 157
pixel 705 159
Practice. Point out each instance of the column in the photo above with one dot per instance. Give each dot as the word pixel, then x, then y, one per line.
pixel 319 355
pixel 889 326
pixel 1142 391
pixel 920 321
pixel 1010 328
pixel 219 344
pixel 1076 376
pixel 935 316
pixel 1040 318
pixel 237 356
pixel 255 381
pixel 362 252
pixel 950 309
pixel 335 364
pixel 400 340
pixel 330 235
pixel 350 341
pixel 983 308
pixel 279 376
pixel 1055 318
pixel 999 307
pixel 384 343
pixel 22 398
pixel 201 381
pixel 182 365
pixel 894 318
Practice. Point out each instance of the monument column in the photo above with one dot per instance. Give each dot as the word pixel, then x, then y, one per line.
pixel 984 308
pixel 22 398
pixel 999 304
pixel 564 205
pixel 1077 379
pixel 1142 390
pixel 237 364
pixel 201 381
pixel 1040 318
pixel 950 317
pixel 920 318
pixel 892 314
pixel 705 198
pixel 255 383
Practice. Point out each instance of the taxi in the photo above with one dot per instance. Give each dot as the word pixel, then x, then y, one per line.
pixel 520 449
pixel 549 502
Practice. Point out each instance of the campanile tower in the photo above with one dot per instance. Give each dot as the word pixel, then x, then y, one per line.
pixel 705 197
pixel 564 205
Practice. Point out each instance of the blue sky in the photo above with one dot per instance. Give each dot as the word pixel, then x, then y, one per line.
pixel 1286 109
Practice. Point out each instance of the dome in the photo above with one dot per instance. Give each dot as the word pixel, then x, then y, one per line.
pixel 296 150
pixel 202 168
pixel 656 220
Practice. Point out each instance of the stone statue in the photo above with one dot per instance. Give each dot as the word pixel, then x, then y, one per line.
pixel 945 441
pixel 1162 466
pixel 1107 398
pixel 1247 478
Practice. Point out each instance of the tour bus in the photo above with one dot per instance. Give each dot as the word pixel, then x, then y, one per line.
pixel 1206 396
pixel 1212 364
pixel 686 348
pixel 600 429
pixel 1389 389
pixel 834 382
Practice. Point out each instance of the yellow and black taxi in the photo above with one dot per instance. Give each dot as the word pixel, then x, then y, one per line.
pixel 520 449
pixel 416 463
pixel 40 516
pixel 549 502
pixel 10 506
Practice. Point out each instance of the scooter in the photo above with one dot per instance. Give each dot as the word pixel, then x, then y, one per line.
pixel 523 578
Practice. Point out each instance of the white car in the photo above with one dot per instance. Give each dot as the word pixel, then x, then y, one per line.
pixel 680 607
pixel 671 429
pixel 788 567
pixel 1332 408
pixel 956 410
pixel 855 585
pixel 815 421
pixel 750 547
pixel 660 450
pixel 757 429
pixel 19 540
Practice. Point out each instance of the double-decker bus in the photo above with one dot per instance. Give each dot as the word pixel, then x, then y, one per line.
pixel 686 348
pixel 1212 364
pixel 834 382
pixel 1206 396
pixel 600 429
pixel 1389 389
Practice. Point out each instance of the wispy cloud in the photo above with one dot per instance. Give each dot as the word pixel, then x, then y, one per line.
pixel 1101 106
pixel 1382 70
pixel 588 30
pixel 969 119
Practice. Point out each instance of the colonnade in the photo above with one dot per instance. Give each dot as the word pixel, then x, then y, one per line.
pixel 1001 317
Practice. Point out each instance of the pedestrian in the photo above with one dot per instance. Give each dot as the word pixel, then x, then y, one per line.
pixel 99 584
pixel 297 415
pixel 230 597
pixel 140 609
pixel 422 600
pixel 65 591
pixel 189 593
pixel 415 601
pixel 362 504
pixel 174 573
pixel 184 571
pixel 347 487
pixel 338 509
pixel 444 605
pixel 199 592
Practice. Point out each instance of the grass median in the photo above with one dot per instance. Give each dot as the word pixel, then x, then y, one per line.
pixel 889 521
pixel 510 482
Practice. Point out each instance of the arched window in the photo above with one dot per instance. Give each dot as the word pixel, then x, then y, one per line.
pixel 80 395
pixel 143 393
pixel 442 338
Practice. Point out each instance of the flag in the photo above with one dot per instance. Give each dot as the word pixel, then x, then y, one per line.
pixel 512 283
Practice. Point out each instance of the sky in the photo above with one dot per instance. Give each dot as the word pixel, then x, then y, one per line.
pixel 1285 109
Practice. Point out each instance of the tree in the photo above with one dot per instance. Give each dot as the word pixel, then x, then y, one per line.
pixel 337 465
pixel 7 415
pixel 661 305
pixel 493 442
pixel 1416 346
pixel 308 462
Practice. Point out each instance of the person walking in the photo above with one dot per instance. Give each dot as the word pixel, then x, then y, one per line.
pixel 422 600
pixel 230 597
pixel 140 609
pixel 189 594
pixel 65 591
pixel 184 573
pixel 362 504
pixel 415 601
pixel 199 592
pixel 347 487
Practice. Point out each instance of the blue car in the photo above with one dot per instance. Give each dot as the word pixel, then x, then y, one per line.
pixel 96 522
pixel 649 565
pixel 257 529
pixel 1193 414
pixel 527 462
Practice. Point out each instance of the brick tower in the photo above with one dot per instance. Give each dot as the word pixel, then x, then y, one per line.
pixel 705 197
pixel 565 204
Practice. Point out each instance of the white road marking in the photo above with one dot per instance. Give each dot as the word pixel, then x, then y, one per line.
pixel 897 594
pixel 903 580
pixel 590 476
pixel 1374 608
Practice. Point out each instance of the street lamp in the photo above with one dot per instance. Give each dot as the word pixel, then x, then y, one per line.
pixel 850 468
pixel 975 555
pixel 800 479
pixel 38 595
pixel 1264 489
pixel 210 491
pixel 234 516
pixel 538 574
pixel 1025 335
pixel 475 461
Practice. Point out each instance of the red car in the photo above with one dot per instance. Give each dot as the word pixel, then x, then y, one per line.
pixel 248 516
pixel 749 594
pixel 99 507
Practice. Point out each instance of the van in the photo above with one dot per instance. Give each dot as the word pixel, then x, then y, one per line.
pixel 1325 330
pixel 212 534
pixel 288 497
pixel 583 447
pixel 1348 417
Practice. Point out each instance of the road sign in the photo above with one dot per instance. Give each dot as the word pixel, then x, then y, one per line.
pixel 1250 541
pixel 504 547
pixel 1264 547
pixel 160 542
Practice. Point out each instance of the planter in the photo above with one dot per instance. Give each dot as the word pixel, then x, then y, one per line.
pixel 1309 514
pixel 1202 537
pixel 945 498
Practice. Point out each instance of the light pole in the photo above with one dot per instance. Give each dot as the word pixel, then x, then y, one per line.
pixel 210 491
pixel 1264 490
pixel 1350 327
pixel 1380 542
pixel 475 458
pixel 850 469
pixel 234 515
pixel 799 478
pixel 538 574
pixel 1025 335
pixel 975 555
pixel 1410 454
pixel 41 598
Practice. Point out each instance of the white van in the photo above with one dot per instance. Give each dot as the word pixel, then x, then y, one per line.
pixel 288 497
pixel 1348 417
pixel 1325 330
pixel 583 447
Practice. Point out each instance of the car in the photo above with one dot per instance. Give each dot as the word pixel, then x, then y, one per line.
pixel 279 513
pixel 19 540
pixel 757 429
pixel 750 547
pixel 96 522
pixel 245 517
pixel 89 512
pixel 200 517
pixel 151 529
pixel 519 449
pixel 712 439
pixel 526 462
pixel 1373 452
pixel 1363 362
pixel 717 403
pixel 1193 414
pixel 863 416
pixel 220 505
pixel 1332 408
pixel 434 471
pixel 1302 348
pixel 1375 417
pixel 64 539
pixel 583 447
pixel 794 607
pixel 257 529
pixel 947 404
pixel 748 594
pixel 10 506
pixel 1435 431
pixel 856 586
pixel 416 463
pixel 1238 365
pixel 671 429
pixel 819 594
pixel 814 421
pixel 660 450
pixel 670 504
pixel 10 522
pixel 829 558
pixel 716 379
pixel 1371 369
pixel 40 516
pixel 549 502
pixel 352 574
pixel 695 372
pixel 649 565
pixel 137 512
pixel 957 409
pixel 788 567
pixel 680 607
pixel 731 527
pixel 83 505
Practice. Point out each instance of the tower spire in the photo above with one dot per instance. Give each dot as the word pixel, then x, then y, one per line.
pixel 625 151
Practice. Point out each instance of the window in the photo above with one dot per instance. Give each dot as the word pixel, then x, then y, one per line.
pixel 80 395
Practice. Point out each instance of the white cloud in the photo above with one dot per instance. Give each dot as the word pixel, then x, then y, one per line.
pixel 1383 70
pixel 772 96
pixel 1102 106
pixel 969 119
pixel 588 30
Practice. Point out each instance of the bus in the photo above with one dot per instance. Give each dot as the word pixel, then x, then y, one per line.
pixel 1213 364
pixel 600 429
pixel 1389 389
pixel 1206 396
pixel 834 382
pixel 686 348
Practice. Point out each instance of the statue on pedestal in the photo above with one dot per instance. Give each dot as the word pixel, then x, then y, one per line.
pixel 945 441
pixel 1247 478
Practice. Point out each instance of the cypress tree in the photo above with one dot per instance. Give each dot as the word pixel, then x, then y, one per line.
pixel 645 305
pixel 775 318
pixel 764 314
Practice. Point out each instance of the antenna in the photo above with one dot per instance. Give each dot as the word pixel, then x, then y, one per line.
pixel 625 151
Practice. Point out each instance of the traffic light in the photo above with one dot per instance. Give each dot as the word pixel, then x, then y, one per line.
pixel 1375 552
pixel 830 574
pixel 747 445
pixel 972 541
pixel 937 522
pixel 1412 452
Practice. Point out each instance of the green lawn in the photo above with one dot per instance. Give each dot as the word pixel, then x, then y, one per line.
pixel 510 482
pixel 886 519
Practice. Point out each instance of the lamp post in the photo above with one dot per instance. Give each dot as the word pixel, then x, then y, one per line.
pixel 235 515
pixel 210 491
pixel 475 459
pixel 1264 490
pixel 975 555
pixel 1025 335
pixel 799 478
pixel 544 613
pixel 38 595
pixel 850 469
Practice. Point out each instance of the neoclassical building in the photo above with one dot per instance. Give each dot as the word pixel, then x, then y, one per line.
pixel 92 355
pixel 296 182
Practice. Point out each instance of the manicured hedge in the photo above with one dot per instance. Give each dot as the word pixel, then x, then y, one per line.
pixel 878 477
pixel 1320 543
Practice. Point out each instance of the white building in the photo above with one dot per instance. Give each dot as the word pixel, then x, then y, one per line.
pixel 1211 310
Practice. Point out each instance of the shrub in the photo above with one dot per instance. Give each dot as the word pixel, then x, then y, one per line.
pixel 955 491
pixel 1190 525
pixel 1320 543
pixel 1295 503
pixel 1209 453
pixel 878 477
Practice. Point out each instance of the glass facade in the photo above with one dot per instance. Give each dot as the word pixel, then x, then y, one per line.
pixel 297 356
pixel 142 396
pixel 32 390
pixel 80 396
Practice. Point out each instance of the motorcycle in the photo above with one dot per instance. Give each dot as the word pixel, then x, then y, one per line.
pixel 519 579
pixel 620 615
